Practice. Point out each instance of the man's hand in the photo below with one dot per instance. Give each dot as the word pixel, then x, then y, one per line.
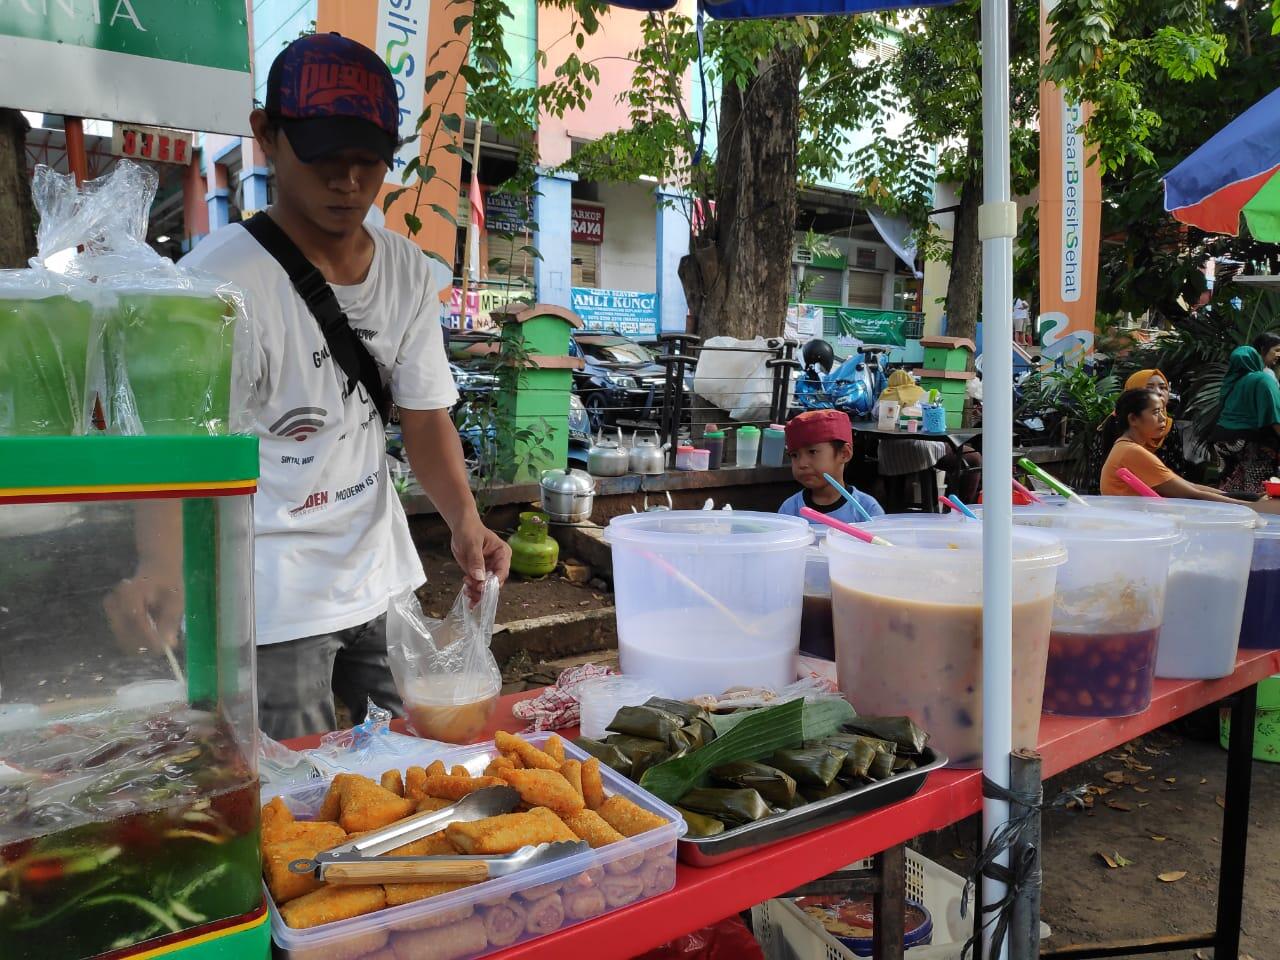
pixel 480 552
pixel 146 610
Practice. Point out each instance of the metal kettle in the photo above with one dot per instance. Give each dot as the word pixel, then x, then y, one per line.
pixel 608 458
pixel 647 456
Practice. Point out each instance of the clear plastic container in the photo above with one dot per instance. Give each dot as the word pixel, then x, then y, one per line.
pixel 1208 578
pixel 1108 608
pixel 700 460
pixel 748 449
pixel 684 458
pixel 713 443
pixel 601 698
pixel 44 349
pixel 708 600
pixel 817 638
pixel 908 627
pixel 773 446
pixel 598 882
pixel 1260 626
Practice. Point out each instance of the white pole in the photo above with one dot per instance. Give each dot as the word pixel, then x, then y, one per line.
pixel 997 228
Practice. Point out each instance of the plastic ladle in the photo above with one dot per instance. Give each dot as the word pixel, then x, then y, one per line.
pixel 811 514
pixel 1044 475
pixel 847 495
pixel 1128 476
pixel 1029 494
pixel 952 501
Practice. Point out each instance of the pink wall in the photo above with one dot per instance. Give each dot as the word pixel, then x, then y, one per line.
pixel 610 49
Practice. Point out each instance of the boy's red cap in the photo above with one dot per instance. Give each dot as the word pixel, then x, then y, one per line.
pixel 818 426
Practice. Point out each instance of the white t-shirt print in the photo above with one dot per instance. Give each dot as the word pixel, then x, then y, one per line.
pixel 331 542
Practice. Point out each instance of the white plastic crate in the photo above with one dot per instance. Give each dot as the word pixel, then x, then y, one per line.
pixel 786 932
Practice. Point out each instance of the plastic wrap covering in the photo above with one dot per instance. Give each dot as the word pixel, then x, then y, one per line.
pixel 46 319
pixel 172 345
pixel 734 375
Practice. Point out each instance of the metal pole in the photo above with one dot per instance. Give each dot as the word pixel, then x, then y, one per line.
pixel 77 159
pixel 997 226
pixel 1235 823
pixel 1024 927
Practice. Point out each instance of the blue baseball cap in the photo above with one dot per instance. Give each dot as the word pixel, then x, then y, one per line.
pixel 330 94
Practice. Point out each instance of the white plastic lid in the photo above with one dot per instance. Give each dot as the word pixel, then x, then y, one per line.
pixel 1192 514
pixel 918 544
pixel 703 531
pixel 1093 525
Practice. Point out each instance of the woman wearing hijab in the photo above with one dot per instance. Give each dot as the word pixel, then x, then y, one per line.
pixel 1169 451
pixel 899 459
pixel 1249 423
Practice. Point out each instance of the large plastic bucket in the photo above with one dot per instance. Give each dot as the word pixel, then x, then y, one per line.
pixel 708 600
pixel 44 346
pixel 1260 626
pixel 1266 723
pixel 1208 577
pixel 908 627
pixel 1107 610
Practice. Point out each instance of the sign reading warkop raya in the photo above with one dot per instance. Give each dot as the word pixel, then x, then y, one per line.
pixel 588 224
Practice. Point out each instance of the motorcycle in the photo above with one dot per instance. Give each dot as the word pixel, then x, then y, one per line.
pixel 853 385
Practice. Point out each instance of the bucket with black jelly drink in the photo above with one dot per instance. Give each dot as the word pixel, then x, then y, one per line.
pixel 1260 627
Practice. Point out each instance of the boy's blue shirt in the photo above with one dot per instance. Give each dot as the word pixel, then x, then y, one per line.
pixel 841 510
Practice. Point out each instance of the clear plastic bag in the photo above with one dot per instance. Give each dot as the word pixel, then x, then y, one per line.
pixel 444 669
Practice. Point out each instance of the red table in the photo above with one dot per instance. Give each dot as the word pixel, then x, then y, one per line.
pixel 705 895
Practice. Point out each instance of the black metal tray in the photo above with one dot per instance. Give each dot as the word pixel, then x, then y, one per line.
pixel 713 851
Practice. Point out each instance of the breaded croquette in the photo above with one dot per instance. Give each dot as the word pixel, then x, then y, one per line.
pixel 455 788
pixel 530 755
pixel 398 893
pixel 592 784
pixel 571 770
pixel 458 770
pixel 284 884
pixel 554 748
pixel 274 814
pixel 497 765
pixel 392 781
pixel 432 804
pixel 330 904
pixel 591 827
pixel 545 788
pixel 367 806
pixel 509 832
pixel 324 833
pixel 628 819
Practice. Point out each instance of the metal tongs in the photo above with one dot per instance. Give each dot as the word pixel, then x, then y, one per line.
pixel 361 860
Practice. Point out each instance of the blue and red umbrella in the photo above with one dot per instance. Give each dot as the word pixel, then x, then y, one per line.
pixel 1236 173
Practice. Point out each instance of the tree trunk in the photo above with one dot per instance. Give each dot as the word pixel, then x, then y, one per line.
pixel 737 277
pixel 17 219
pixel 964 288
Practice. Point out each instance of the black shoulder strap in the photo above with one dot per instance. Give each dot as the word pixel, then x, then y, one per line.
pixel 347 350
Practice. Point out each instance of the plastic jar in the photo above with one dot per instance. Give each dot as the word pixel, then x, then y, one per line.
pixel 908 627
pixel 699 460
pixel 1260 626
pixel 773 446
pixel 684 458
pixel 713 443
pixel 602 697
pixel 748 446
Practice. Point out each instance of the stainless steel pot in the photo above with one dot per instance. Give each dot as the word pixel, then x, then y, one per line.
pixel 608 458
pixel 647 456
pixel 567 497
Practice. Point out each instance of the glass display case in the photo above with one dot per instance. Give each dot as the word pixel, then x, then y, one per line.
pixel 128 729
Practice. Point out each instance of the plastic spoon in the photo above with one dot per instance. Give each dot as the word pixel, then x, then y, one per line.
pixel 1041 474
pixel 954 503
pixel 1029 494
pixel 847 495
pixel 850 529
pixel 1127 475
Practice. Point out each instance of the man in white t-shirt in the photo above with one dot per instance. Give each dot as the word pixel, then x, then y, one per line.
pixel 332 544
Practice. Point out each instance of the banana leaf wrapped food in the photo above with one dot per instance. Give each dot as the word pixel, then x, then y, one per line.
pixel 640 752
pixel 777 788
pixel 814 794
pixel 900 730
pixel 606 753
pixel 814 766
pixel 686 712
pixel 881 766
pixel 903 763
pixel 857 762
pixel 646 722
pixel 731 807
pixel 700 825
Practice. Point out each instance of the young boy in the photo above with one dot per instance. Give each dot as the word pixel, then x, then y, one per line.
pixel 818 442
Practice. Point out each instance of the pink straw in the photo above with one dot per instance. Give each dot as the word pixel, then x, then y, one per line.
pixel 850 529
pixel 1125 474
pixel 1026 493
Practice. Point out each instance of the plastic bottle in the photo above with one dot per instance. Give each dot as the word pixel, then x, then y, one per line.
pixel 748 446
pixel 773 446
pixel 533 552
pixel 713 443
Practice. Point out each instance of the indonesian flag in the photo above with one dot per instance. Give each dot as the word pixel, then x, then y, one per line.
pixel 477 202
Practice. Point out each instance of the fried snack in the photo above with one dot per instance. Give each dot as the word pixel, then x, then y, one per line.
pixel 628 864
pixel 324 833
pixel 628 819
pixel 432 804
pixel 583 904
pixel 330 904
pixel 544 915
pixel 440 918
pixel 592 785
pixel 436 769
pixel 591 827
pixel 508 832
pixel 513 757
pixel 622 889
pixel 454 788
pixel 459 771
pixel 398 893
pixel 504 923
pixel 360 946
pixel 415 783
pixel 435 845
pixel 457 940
pixel 284 884
pixel 332 806
pixel 274 814
pixel 497 765
pixel 571 770
pixel 545 788
pixel 540 891
pixel 554 748
pixel 527 752
pixel 393 782
pixel 658 876
pixel 367 806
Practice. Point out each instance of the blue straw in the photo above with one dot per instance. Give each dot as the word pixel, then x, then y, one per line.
pixel 955 502
pixel 847 495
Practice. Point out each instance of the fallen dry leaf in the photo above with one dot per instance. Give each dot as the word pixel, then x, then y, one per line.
pixel 1109 861
pixel 1173 876
pixel 1113 776
pixel 1117 805
pixel 958 854
pixel 1122 861
pixel 1159 839
pixel 1204 779
pixel 1221 801
pixel 1201 955
pixel 1170 779
pixel 1143 803
pixel 1141 790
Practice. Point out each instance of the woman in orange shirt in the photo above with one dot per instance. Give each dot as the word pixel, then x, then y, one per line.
pixel 1141 417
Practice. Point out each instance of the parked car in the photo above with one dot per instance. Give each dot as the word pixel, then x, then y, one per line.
pixel 620 381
